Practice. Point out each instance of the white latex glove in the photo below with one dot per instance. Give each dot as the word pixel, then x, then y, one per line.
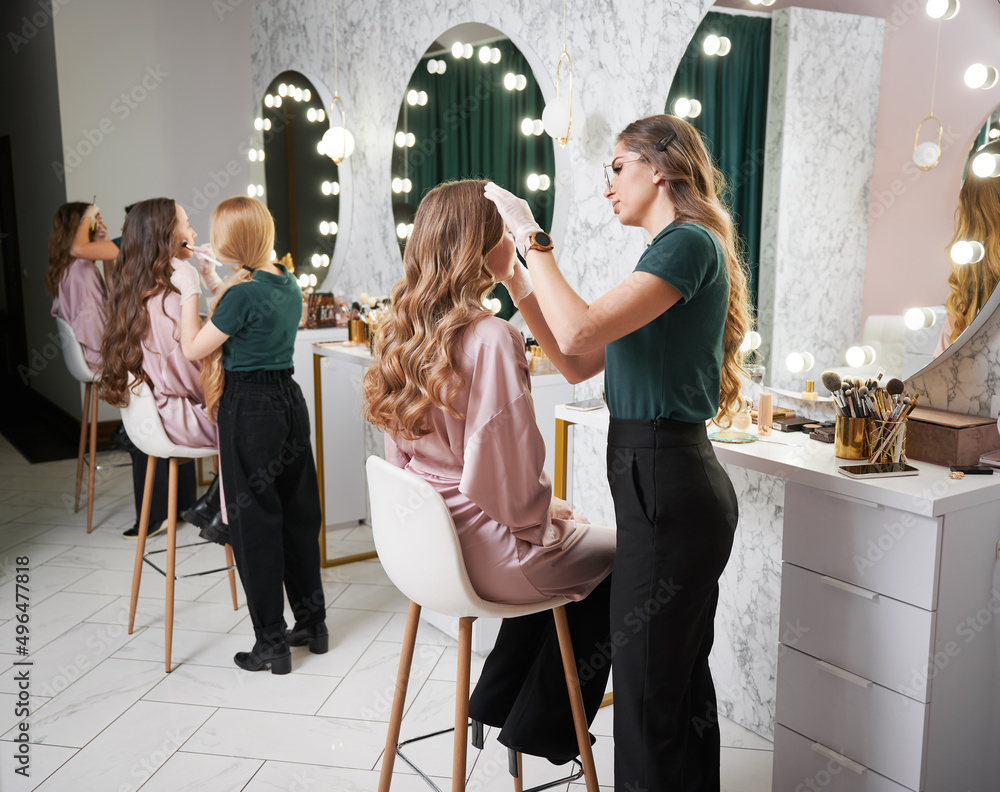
pixel 206 263
pixel 515 213
pixel 185 279
pixel 519 284
pixel 90 215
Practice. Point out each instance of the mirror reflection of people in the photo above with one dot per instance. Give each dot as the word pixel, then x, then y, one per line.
pixel 142 339
pixel 449 385
pixel 266 460
pixel 79 238
pixel 668 339
pixel 977 219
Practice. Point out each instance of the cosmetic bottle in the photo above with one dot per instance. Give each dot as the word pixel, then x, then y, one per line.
pixel 764 405
pixel 810 391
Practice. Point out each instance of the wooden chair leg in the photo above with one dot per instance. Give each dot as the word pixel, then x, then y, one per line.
pixel 458 769
pixel 519 781
pixel 140 547
pixel 83 442
pixel 168 621
pixel 575 697
pixel 93 462
pixel 399 697
pixel 232 575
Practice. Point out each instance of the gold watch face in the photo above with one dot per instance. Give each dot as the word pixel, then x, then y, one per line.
pixel 541 241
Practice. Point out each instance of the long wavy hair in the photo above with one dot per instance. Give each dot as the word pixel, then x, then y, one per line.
pixel 445 279
pixel 242 233
pixel 64 226
pixel 977 218
pixel 150 238
pixel 696 188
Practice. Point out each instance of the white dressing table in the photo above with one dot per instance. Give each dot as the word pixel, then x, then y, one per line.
pixel 858 624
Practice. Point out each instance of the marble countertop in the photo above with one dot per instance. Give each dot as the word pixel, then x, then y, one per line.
pixel 796 457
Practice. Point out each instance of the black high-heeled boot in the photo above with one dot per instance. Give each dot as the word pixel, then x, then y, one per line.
pixel 277 657
pixel 316 636
pixel 206 507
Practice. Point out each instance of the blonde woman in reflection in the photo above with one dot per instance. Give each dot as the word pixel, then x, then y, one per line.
pixel 450 387
pixel 977 218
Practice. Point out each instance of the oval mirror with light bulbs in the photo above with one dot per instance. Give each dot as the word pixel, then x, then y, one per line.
pixel 302 184
pixel 472 110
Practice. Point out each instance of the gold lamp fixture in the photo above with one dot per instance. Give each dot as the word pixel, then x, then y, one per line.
pixel 338 142
pixel 557 117
pixel 927 155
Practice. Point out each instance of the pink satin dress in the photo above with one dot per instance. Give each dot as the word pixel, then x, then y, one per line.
pixel 80 301
pixel 488 468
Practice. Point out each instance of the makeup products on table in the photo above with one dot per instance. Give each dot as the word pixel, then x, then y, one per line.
pixel 810 391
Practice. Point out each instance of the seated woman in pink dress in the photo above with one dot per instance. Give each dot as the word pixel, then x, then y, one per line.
pixel 78 239
pixel 450 386
pixel 142 337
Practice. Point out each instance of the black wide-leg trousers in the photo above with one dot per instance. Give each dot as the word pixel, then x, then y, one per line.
pixel 676 512
pixel 272 498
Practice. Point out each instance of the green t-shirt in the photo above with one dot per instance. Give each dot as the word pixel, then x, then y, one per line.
pixel 261 317
pixel 670 368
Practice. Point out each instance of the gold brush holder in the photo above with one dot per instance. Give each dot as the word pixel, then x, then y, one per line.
pixel 850 438
pixel 887 441
pixel 357 331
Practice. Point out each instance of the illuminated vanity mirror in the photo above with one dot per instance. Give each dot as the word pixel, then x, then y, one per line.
pixel 302 186
pixel 973 254
pixel 472 109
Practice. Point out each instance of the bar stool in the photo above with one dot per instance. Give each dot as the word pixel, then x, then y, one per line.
pixel 419 549
pixel 80 371
pixel 145 429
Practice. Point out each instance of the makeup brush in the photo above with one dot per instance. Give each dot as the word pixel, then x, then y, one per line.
pixel 894 387
pixel 832 382
pixel 215 261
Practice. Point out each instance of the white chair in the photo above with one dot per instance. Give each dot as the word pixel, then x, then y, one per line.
pixel 419 549
pixel 80 371
pixel 145 430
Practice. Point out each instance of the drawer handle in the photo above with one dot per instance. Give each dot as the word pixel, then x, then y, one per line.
pixel 850 589
pixel 840 759
pixel 847 676
pixel 849 499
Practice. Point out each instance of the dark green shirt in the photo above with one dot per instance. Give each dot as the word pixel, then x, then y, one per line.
pixel 261 318
pixel 670 367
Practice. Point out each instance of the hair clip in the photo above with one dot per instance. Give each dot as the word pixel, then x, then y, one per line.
pixel 248 268
pixel 663 142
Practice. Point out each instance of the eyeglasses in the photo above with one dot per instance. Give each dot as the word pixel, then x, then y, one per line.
pixel 615 168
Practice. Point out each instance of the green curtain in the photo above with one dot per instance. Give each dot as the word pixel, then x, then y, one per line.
pixel 733 93
pixel 471 128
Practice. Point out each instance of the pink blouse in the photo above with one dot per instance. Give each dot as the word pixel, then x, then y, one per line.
pixel 488 468
pixel 179 396
pixel 80 302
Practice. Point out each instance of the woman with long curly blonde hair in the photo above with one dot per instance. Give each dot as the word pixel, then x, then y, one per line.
pixel 265 454
pixel 142 338
pixel 450 387
pixel 668 339
pixel 977 218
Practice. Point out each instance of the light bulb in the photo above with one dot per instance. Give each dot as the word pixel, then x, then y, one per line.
pixel 326 260
pixel 325 188
pixel 456 52
pixel 527 126
pixel 407 185
pixel 260 190
pixel 269 100
pixel 967 252
pixel 544 182
pixel 277 101
pixel 442 67
pixel 321 147
pixel 397 185
pixel 994 133
pixel 324 227
pixel 401 230
pixel 711 45
pixel 467 51
pixel 926 155
pixel 315 259
pixel 986 165
pixel 260 154
pixel 334 228
pixel 411 140
pixel 533 181
pixel 521 83
pixel 919 318
pixel 313 280
pixel 321 115
pixel 942 9
pixel 311 113
pixel 422 98
pixel 682 107
pixel 495 55
pixel 510 81
pixel 797 362
pixel 252 190
pixel 258 123
pixel 980 75
pixel 267 123
pixel 339 143
pixel 409 232
pixel 400 139
pixel 306 95
pixel 298 95
pixel 484 54
pixel 335 188
pixel 411 98
pixel 252 154
pixel 432 66
pixel 695 110
pixel 282 90
pixel 860 356
pixel 751 341
pixel 556 118
pixel 537 127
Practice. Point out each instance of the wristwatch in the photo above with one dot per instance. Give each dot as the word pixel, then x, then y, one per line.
pixel 539 240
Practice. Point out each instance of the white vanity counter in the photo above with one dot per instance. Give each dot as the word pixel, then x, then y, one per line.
pixel 859 620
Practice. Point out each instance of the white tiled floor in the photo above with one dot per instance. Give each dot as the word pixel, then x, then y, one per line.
pixel 105 716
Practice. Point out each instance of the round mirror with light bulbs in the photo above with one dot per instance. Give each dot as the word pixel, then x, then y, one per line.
pixel 302 186
pixel 472 110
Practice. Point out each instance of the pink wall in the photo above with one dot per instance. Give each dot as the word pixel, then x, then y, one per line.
pixel 911 215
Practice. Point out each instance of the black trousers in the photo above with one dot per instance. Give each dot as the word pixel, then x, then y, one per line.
pixel 522 687
pixel 187 489
pixel 272 498
pixel 676 512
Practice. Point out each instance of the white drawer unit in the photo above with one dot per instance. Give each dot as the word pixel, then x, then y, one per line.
pixel 851 715
pixel 870 634
pixel 803 764
pixel 862 542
